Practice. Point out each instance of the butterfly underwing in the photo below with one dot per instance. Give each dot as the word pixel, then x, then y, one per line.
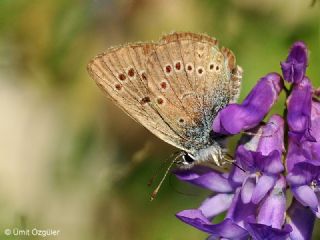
pixel 174 87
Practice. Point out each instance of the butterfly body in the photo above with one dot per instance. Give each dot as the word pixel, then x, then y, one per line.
pixel 174 88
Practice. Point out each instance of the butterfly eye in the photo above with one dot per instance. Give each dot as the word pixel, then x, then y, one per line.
pixel 187 159
pixel 217 68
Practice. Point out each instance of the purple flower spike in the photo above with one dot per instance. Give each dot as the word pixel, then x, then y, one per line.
pixel 301 219
pixel 278 158
pixel 299 111
pixel 238 117
pixel 294 68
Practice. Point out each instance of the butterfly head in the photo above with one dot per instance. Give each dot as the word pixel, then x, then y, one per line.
pixel 215 153
pixel 185 161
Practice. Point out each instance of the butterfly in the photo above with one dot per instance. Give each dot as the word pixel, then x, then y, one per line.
pixel 174 87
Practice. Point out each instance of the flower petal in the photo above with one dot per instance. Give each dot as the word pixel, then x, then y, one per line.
pixel 295 154
pixel 238 210
pixel 263 151
pixel 226 229
pixel 299 110
pixel 206 178
pixel 237 176
pixel 315 120
pixel 303 173
pixel 272 136
pixel 272 163
pixel 247 189
pixel 238 117
pixel 272 210
pixel 305 150
pixel 195 218
pixel 301 219
pixel 246 159
pixel 262 232
pixel 264 184
pixel 306 196
pixel 212 237
pixel 215 205
pixel 294 68
pixel 256 162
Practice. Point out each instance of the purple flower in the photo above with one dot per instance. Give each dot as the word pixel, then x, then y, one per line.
pixel 238 117
pixel 272 209
pixel 253 197
pixel 247 197
pixel 304 181
pixel 261 158
pixel 206 178
pixel 294 68
pixel 301 219
pixel 214 181
pixel 226 229
pixel 225 198
pixel 305 146
pixel 262 232
pixel 299 110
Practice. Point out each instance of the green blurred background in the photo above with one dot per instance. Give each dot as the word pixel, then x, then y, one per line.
pixel 72 161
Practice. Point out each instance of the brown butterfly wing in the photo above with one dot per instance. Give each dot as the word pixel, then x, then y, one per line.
pixel 121 74
pixel 210 80
pixel 170 87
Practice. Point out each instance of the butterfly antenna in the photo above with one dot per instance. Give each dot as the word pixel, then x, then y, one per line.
pixel 236 165
pixel 233 162
pixel 156 190
pixel 156 174
pixel 262 134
